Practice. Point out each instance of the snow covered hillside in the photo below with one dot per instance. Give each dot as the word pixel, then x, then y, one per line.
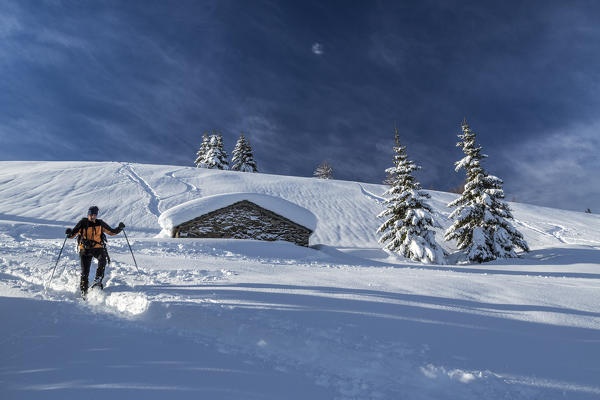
pixel 232 319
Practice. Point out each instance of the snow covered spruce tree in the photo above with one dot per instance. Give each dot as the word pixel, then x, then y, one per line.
pixel 215 157
pixel 481 225
pixel 202 151
pixel 222 153
pixel 324 171
pixel 242 158
pixel 407 229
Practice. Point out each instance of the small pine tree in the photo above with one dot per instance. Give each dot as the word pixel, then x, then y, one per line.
pixel 481 225
pixel 324 171
pixel 222 153
pixel 242 158
pixel 201 154
pixel 216 157
pixel 407 229
pixel 458 189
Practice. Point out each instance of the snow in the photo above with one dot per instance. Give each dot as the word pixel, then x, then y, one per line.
pixel 235 319
pixel 195 208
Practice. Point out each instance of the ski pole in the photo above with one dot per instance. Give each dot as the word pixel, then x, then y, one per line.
pixel 136 267
pixel 58 258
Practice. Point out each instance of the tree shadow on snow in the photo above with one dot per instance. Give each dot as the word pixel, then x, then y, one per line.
pixel 550 256
pixel 454 333
pixel 390 331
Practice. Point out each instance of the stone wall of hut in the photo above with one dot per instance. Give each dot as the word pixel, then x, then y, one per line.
pixel 244 220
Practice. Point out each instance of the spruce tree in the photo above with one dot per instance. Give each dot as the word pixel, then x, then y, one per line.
pixel 324 171
pixel 242 158
pixel 407 229
pixel 216 157
pixel 481 225
pixel 222 153
pixel 201 154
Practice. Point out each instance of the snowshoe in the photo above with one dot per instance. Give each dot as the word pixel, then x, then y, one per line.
pixel 98 285
pixel 84 295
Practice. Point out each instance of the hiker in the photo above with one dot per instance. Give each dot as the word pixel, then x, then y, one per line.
pixel 92 244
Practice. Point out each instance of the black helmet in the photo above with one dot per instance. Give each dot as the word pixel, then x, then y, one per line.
pixel 93 210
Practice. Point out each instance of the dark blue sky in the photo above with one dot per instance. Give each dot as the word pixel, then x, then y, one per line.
pixel 309 81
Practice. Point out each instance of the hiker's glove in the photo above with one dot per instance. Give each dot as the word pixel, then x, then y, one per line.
pixel 121 225
pixel 68 231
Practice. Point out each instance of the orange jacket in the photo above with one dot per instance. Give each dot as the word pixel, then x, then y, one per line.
pixel 92 231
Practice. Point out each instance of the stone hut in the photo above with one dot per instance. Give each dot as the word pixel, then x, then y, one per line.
pixel 240 216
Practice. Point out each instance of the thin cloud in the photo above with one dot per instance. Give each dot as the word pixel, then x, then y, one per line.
pixel 557 171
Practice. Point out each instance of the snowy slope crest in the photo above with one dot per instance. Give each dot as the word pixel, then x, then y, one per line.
pixel 50 196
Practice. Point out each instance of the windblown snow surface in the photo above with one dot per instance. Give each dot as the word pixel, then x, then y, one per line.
pixel 233 319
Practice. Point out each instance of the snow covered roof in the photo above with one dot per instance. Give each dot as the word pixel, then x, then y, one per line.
pixel 195 208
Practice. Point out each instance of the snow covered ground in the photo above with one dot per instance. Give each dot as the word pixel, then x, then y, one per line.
pixel 231 319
